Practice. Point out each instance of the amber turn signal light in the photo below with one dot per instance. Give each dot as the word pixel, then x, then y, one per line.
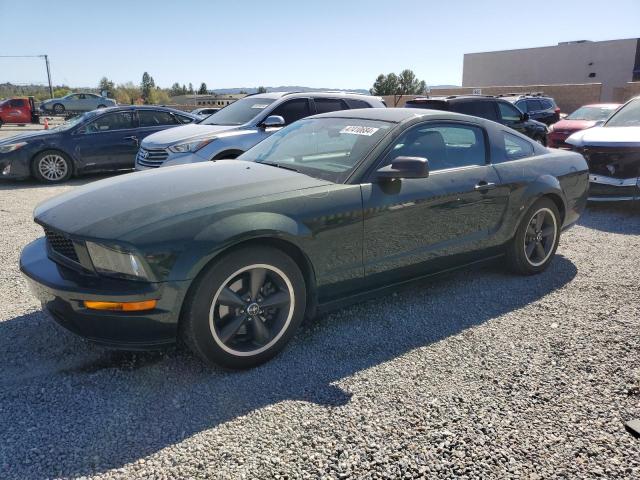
pixel 122 306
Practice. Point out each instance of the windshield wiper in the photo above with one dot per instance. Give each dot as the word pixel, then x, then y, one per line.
pixel 279 165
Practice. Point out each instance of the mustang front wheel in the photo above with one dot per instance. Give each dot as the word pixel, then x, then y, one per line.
pixel 536 239
pixel 245 307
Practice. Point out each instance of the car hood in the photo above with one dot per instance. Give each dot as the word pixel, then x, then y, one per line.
pixel 129 207
pixel 606 136
pixel 23 137
pixel 573 125
pixel 185 133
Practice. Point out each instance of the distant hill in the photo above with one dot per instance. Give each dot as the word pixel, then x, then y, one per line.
pixel 298 88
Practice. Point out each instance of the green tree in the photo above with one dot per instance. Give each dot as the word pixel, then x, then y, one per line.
pixel 147 86
pixel 106 85
pixel 190 91
pixel 406 83
pixel 203 89
pixel 175 89
pixel 261 90
pixel 184 89
pixel 128 94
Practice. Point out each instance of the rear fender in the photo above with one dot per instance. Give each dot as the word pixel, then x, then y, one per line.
pixel 544 185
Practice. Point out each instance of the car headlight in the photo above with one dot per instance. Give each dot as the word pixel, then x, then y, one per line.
pixel 11 147
pixel 191 146
pixel 115 262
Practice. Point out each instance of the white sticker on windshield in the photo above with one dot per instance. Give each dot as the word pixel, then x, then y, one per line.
pixel 260 105
pixel 359 130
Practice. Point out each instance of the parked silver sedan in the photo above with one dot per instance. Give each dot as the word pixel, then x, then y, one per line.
pixel 76 102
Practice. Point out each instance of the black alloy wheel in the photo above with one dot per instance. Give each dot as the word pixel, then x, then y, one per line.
pixel 536 240
pixel 244 307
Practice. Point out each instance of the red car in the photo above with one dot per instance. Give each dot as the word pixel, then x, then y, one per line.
pixel 585 117
pixel 18 110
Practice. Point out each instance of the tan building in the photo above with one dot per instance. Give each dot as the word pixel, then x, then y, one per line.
pixel 611 63
pixel 218 101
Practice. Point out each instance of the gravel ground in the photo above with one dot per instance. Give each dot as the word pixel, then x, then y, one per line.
pixel 479 374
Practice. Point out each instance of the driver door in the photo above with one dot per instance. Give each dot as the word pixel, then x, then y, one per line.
pixel 409 223
pixel 109 142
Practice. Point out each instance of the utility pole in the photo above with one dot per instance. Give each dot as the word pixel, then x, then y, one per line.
pixel 46 61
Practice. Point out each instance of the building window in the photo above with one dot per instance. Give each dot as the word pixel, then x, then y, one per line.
pixel 592 75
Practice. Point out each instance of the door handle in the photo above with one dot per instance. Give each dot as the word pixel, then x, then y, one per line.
pixel 484 186
pixel 132 137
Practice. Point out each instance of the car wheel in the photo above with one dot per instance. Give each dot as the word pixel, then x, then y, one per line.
pixel 536 240
pixel 58 108
pixel 52 166
pixel 102 106
pixel 244 308
pixel 542 141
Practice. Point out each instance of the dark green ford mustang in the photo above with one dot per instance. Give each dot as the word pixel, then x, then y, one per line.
pixel 232 254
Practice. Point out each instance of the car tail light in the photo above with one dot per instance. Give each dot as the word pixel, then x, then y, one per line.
pixel 557 110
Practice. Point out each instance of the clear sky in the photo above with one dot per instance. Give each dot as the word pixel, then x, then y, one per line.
pixel 329 43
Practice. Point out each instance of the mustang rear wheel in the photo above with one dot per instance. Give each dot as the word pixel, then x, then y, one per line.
pixel 244 308
pixel 536 239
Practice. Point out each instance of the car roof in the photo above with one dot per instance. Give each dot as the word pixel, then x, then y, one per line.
pixel 121 108
pixel 603 105
pixel 454 98
pixel 322 93
pixel 397 115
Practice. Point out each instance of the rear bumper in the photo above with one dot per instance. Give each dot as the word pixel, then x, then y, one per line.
pixel 608 189
pixel 62 292
pixel 558 140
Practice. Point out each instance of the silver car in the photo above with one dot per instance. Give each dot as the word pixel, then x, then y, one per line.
pixel 239 126
pixel 76 102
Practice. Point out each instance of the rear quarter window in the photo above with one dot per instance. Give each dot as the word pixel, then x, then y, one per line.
pixel 353 103
pixel 516 147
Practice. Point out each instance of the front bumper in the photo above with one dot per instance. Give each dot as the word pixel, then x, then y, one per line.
pixel 608 189
pixel 62 292
pixel 15 165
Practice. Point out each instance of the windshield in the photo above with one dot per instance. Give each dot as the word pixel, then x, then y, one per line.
pixel 72 122
pixel 627 116
pixel 327 148
pixel 592 114
pixel 239 112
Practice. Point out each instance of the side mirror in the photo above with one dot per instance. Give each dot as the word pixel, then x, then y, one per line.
pixel 405 167
pixel 524 117
pixel 273 121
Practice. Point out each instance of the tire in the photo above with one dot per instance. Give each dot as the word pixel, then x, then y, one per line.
pixel 224 331
pixel 102 106
pixel 531 250
pixel 51 166
pixel 542 141
pixel 58 108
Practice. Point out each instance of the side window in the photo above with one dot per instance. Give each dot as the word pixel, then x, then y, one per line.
pixel 324 105
pixel 353 103
pixel 444 145
pixel 534 105
pixel 482 109
pixel 293 110
pixel 547 104
pixel 184 119
pixel 508 112
pixel 522 106
pixel 110 121
pixel 16 103
pixel 155 118
pixel 516 147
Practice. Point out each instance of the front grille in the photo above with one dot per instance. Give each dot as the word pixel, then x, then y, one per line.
pixel 151 157
pixel 61 245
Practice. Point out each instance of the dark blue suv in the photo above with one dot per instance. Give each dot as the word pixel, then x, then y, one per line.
pixel 100 140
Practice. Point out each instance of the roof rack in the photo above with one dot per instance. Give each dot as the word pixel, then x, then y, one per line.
pixel 522 94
